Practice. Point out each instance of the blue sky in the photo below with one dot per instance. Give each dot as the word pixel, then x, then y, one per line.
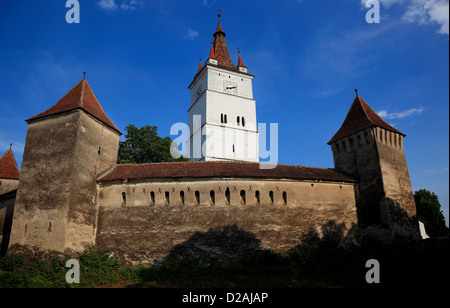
pixel 307 57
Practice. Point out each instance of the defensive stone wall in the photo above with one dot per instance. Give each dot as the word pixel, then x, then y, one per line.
pixel 143 221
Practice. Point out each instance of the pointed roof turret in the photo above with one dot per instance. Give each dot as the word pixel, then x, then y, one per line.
pixel 240 63
pixel 8 166
pixel 221 52
pixel 359 117
pixel 79 97
pixel 212 54
pixel 200 67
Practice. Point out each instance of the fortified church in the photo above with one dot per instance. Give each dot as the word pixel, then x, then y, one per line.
pixel 71 194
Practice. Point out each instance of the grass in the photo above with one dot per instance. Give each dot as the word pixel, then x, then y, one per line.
pixel 324 266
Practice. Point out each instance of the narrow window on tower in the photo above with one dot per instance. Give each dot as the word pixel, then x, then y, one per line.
pixel 238 121
pixel 225 119
pixel 124 198
pixel 243 122
pixel 366 135
pixel 221 118
pixel 360 140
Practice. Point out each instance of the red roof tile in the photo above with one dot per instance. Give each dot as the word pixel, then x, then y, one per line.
pixel 8 166
pixel 221 170
pixel 359 117
pixel 221 52
pixel 79 97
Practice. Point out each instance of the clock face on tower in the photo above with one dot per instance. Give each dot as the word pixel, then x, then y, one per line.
pixel 199 91
pixel 230 87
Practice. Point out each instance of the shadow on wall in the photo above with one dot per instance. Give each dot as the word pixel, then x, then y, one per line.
pixel 7 209
pixel 223 245
pixel 230 243
pixel 327 257
pixel 393 224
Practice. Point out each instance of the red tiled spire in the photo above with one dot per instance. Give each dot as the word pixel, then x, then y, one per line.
pixel 359 117
pixel 222 55
pixel 240 63
pixel 8 166
pixel 79 97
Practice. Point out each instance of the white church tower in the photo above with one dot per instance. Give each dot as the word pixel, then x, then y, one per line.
pixel 222 116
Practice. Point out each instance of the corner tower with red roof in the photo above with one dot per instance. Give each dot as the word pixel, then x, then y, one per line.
pixel 371 151
pixel 222 115
pixel 67 147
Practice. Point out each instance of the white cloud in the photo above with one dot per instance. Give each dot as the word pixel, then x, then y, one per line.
pixel 125 5
pixel 108 5
pixel 423 12
pixel 429 11
pixel 130 6
pixel 208 3
pixel 191 34
pixel 400 115
pixel 443 170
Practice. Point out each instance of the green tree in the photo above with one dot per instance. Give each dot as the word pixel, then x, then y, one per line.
pixel 429 212
pixel 144 145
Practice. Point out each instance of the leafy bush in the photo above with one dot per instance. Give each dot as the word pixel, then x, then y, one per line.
pixel 9 263
pixel 96 269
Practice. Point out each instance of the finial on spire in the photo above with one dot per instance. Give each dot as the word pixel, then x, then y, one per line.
pixel 356 90
pixel 200 67
pixel 220 14
pixel 10 146
pixel 84 75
